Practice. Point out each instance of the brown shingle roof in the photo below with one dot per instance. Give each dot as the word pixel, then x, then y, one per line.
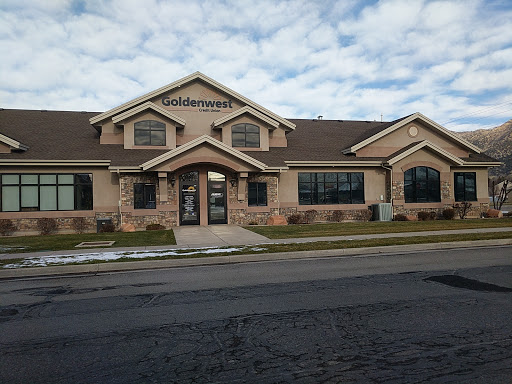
pixel 57 135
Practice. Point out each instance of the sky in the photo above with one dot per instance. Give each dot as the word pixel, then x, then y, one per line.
pixel 351 60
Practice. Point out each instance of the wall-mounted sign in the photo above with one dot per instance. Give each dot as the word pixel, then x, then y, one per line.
pixel 208 101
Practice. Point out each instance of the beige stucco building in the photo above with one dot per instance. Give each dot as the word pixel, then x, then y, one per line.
pixel 196 152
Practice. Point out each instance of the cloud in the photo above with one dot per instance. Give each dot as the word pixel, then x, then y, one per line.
pixel 343 60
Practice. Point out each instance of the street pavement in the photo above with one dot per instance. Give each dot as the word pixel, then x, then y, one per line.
pixel 436 317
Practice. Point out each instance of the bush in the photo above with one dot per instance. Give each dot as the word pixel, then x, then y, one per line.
pixel 296 218
pixel 79 224
pixel 462 209
pixel 310 216
pixel 46 226
pixel 366 215
pixel 7 227
pixel 107 228
pixel 338 216
pixel 448 214
pixel 154 227
pixel 433 215
pixel 400 217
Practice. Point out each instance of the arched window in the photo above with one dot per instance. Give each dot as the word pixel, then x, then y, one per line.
pixel 245 135
pixel 149 132
pixel 422 185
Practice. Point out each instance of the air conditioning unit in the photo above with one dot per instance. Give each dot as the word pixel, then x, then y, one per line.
pixel 382 212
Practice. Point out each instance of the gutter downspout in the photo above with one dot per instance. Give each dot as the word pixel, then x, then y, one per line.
pixel 120 199
pixel 390 187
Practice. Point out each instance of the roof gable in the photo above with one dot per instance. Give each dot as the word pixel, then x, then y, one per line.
pixel 244 110
pixel 205 139
pixel 409 150
pixel 179 83
pixel 143 107
pixel 402 122
pixel 15 144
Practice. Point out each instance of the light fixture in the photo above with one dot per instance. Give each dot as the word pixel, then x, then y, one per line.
pixel 173 180
pixel 233 180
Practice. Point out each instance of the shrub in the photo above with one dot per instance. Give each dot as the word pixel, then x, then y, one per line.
pixel 154 227
pixel 7 227
pixel 46 226
pixel 433 215
pixel 366 215
pixel 462 209
pixel 107 228
pixel 424 216
pixel 448 214
pixel 310 216
pixel 338 216
pixel 296 218
pixel 400 217
pixel 79 224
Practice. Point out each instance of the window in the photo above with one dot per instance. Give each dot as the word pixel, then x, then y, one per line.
pixel 149 132
pixel 45 192
pixel 257 194
pixel 331 188
pixel 245 135
pixel 422 185
pixel 465 186
pixel 144 196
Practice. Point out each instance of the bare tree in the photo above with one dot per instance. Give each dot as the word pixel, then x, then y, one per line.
pixel 500 194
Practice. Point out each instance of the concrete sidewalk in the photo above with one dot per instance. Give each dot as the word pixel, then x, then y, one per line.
pixel 226 235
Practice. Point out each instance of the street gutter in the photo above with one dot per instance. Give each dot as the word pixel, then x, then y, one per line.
pixel 98 268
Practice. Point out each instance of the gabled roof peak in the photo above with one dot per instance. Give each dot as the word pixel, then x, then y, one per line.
pixel 185 80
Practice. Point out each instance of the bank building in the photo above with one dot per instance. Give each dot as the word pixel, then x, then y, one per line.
pixel 195 152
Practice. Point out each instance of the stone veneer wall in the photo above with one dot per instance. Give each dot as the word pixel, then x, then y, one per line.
pixel 66 223
pixel 240 215
pixel 477 210
pixel 165 218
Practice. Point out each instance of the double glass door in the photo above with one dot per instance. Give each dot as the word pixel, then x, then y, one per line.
pixel 190 198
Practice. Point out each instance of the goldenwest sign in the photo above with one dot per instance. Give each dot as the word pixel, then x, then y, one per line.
pixel 187 102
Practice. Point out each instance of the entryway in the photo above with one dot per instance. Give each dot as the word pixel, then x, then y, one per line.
pixel 193 191
pixel 216 235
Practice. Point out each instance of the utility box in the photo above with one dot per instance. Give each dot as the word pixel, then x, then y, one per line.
pixel 101 222
pixel 382 212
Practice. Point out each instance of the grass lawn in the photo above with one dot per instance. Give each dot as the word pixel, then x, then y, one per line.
pixel 363 228
pixel 296 247
pixel 62 242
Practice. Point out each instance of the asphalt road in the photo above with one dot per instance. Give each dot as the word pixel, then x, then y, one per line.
pixel 437 317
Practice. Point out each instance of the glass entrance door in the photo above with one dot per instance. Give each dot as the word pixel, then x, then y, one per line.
pixel 189 198
pixel 216 198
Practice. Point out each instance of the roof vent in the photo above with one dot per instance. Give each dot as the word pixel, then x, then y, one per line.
pixel 320 117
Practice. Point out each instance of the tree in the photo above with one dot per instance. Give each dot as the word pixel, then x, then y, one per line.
pixel 500 194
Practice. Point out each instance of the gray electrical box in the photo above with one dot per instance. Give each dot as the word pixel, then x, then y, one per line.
pixel 101 222
pixel 382 212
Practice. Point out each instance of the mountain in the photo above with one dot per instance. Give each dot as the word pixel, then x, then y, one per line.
pixel 495 142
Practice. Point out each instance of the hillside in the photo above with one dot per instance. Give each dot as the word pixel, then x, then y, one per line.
pixel 495 142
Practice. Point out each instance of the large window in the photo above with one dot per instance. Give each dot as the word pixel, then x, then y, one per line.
pixel 331 188
pixel 465 186
pixel 245 135
pixel 45 192
pixel 257 194
pixel 149 132
pixel 422 185
pixel 144 196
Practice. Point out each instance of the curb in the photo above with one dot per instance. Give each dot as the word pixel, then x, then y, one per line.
pixel 219 260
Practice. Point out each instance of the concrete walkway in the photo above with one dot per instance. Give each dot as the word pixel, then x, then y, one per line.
pixel 215 236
